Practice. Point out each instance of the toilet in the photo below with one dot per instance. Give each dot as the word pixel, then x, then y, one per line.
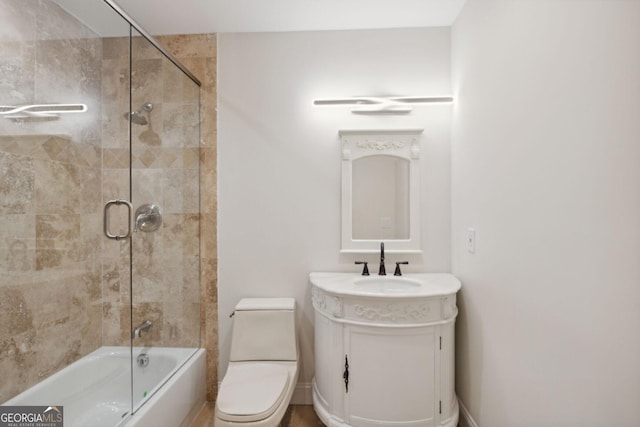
pixel 263 364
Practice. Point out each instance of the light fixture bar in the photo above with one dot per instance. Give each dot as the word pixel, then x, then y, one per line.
pixel 40 110
pixel 360 100
pixel 383 104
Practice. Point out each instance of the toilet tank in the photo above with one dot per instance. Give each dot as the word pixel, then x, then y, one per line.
pixel 264 329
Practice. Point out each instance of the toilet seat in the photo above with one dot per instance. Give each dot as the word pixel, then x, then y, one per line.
pixel 251 391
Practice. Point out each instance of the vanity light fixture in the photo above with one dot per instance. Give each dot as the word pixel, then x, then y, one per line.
pixel 384 104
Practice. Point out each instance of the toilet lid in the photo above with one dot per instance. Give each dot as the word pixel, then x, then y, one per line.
pixel 251 391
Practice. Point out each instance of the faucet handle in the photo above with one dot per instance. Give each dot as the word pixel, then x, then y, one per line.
pixel 365 270
pixel 398 272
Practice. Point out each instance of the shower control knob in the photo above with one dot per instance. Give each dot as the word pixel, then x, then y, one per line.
pixel 148 217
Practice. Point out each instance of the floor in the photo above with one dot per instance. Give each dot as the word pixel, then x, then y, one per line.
pixel 296 416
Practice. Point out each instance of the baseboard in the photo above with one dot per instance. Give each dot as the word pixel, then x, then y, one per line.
pixel 465 417
pixel 302 395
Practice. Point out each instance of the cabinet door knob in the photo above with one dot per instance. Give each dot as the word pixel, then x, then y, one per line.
pixel 345 375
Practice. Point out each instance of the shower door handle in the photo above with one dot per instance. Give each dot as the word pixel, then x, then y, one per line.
pixel 107 231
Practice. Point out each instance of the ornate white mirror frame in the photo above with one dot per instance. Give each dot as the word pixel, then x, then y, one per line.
pixel 403 144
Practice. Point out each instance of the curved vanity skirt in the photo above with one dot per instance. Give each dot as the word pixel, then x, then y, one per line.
pixel 385 350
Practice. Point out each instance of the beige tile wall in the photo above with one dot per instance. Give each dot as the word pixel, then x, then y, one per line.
pixel 198 53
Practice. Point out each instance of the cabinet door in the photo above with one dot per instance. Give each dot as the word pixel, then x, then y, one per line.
pixel 391 376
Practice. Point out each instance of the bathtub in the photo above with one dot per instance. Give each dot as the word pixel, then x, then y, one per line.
pixel 96 390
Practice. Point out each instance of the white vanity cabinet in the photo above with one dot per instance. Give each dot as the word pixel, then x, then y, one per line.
pixel 384 355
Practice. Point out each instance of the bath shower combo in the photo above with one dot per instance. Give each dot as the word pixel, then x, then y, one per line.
pixel 99 293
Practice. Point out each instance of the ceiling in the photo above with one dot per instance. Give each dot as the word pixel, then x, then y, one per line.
pixel 216 16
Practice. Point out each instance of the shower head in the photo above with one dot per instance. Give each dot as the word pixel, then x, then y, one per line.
pixel 137 117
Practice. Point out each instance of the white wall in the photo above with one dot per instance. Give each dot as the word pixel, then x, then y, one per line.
pixel 546 168
pixel 279 156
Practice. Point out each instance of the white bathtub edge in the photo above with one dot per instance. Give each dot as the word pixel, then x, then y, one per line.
pixel 174 403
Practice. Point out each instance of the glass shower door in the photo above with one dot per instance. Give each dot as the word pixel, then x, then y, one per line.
pixel 65 318
pixel 117 218
pixel 95 126
pixel 165 261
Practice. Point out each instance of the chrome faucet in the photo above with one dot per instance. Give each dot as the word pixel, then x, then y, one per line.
pixel 145 326
pixel 381 270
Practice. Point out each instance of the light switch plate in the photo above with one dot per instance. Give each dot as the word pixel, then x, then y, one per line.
pixel 471 240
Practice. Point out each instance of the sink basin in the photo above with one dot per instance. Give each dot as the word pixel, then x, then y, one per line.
pixel 387 284
pixel 412 285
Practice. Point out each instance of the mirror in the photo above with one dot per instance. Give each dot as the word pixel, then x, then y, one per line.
pixel 380 198
pixel 380 190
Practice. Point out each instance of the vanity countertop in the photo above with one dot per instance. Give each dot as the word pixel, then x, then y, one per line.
pixel 418 285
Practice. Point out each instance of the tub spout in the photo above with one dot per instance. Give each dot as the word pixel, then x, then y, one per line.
pixel 145 326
